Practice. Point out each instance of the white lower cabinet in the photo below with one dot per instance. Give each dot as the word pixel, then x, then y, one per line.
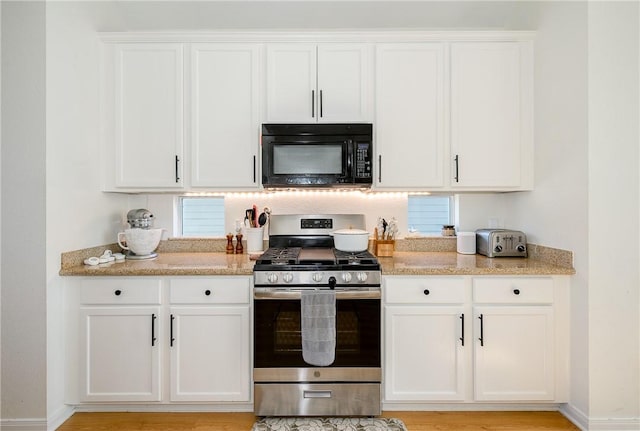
pixel 514 357
pixel 514 339
pixel 119 340
pixel 135 333
pixel 424 339
pixel 210 340
pixel 500 336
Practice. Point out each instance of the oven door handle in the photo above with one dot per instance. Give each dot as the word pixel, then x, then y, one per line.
pixel 295 294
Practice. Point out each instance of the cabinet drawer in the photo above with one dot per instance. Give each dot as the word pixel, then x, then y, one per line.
pixel 513 290
pixel 219 290
pixel 424 290
pixel 119 291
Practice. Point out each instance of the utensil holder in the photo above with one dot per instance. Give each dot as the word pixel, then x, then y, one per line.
pixel 255 239
pixel 384 247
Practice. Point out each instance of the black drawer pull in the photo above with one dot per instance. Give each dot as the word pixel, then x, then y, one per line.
pixel 117 292
pixel 516 291
pixel 207 292
pixel 426 292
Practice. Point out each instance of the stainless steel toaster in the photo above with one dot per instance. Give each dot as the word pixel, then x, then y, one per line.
pixel 501 243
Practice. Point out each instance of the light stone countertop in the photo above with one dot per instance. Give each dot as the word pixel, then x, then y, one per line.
pixel 402 263
pixel 452 263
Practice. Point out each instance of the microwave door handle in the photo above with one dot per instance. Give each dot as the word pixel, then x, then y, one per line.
pixel 349 157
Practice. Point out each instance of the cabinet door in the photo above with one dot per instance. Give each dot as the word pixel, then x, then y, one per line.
pixel 424 353
pixel 490 115
pixel 120 354
pixel 291 83
pixel 225 125
pixel 210 353
pixel 409 115
pixel 514 353
pixel 344 82
pixel 148 115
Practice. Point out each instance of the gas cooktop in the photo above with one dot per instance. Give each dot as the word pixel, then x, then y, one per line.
pixel 300 258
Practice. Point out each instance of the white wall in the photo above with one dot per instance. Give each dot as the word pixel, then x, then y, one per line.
pixel 614 279
pixel 23 220
pixel 556 212
pixel 78 215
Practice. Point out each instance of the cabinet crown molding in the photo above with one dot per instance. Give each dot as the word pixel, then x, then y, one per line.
pixel 351 35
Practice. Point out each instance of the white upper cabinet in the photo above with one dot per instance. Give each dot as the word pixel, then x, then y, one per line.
pixel 147 102
pixel 410 115
pixel 308 83
pixel 225 124
pixel 491 115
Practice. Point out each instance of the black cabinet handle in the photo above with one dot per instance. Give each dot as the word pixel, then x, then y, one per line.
pixel 516 291
pixel 313 103
pixel 171 338
pixel 462 328
pixel 177 161
pixel 118 292
pixel 320 103
pixel 457 177
pixel 153 330
pixel 481 330
pixel 207 292
pixel 380 168
pixel 254 168
pixel 426 291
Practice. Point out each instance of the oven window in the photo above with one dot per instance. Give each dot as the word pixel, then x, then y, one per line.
pixel 307 159
pixel 278 341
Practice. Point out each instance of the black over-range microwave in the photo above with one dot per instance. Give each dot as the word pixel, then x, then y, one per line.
pixel 317 155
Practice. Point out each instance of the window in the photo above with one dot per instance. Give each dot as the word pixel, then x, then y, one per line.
pixel 202 216
pixel 427 214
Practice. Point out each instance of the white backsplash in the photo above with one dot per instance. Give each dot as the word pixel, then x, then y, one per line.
pixel 473 211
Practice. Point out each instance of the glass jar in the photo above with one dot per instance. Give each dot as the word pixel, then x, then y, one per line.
pixel 448 230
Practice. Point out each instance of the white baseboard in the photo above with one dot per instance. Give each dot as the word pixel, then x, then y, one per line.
pixel 462 407
pixel 162 408
pixel 614 424
pixel 576 416
pixel 35 424
pixel 58 418
pixel 585 423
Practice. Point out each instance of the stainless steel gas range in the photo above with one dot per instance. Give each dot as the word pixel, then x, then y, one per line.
pixel 302 258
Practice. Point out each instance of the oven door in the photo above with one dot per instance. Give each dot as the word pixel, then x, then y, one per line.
pixel 277 334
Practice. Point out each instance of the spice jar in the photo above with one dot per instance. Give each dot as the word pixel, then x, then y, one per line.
pixel 448 230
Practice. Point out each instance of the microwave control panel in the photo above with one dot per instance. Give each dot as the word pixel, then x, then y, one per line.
pixel 363 160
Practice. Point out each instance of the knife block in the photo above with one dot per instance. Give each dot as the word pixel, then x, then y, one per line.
pixel 384 247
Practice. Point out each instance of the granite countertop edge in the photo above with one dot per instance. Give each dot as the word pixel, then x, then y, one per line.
pixel 402 263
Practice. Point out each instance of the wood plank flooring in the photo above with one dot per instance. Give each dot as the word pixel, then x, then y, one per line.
pixel 415 421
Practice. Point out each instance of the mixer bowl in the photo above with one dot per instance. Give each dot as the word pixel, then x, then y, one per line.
pixel 142 242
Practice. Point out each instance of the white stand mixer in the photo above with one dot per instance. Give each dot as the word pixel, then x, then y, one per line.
pixel 141 240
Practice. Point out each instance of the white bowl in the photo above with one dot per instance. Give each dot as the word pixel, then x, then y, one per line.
pixel 140 241
pixel 351 240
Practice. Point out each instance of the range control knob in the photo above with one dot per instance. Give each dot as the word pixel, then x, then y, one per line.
pixel 287 277
pixel 332 282
pixel 498 249
pixel 521 248
pixel 346 277
pixel 317 277
pixel 272 277
pixel 361 276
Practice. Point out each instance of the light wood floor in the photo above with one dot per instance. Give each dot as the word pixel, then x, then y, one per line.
pixel 415 421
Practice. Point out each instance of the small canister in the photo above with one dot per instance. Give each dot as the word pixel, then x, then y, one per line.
pixel 466 243
pixel 448 230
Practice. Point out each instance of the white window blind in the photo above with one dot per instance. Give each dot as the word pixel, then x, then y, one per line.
pixel 202 216
pixel 427 214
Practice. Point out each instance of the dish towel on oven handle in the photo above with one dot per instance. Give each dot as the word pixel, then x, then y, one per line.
pixel 318 326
